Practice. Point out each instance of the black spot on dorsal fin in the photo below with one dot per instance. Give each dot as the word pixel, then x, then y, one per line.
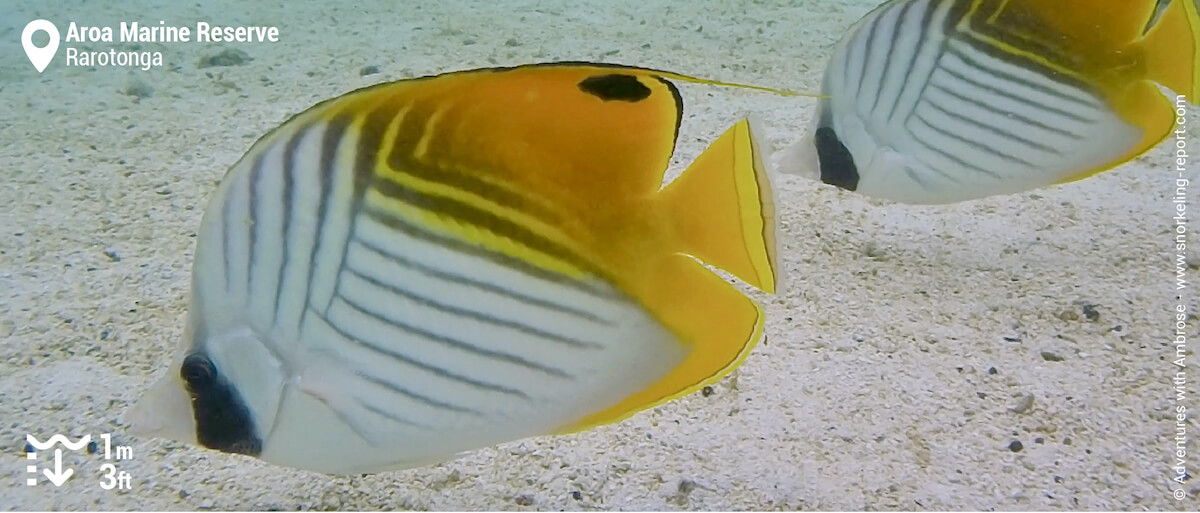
pixel 615 86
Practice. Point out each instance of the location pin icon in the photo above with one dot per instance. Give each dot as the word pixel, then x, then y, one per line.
pixel 40 57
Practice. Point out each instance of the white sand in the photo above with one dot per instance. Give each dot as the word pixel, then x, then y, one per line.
pixel 873 391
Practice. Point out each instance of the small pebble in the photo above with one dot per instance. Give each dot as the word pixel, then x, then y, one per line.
pixel 1089 311
pixel 92 447
pixel 872 250
pixel 1068 315
pixel 992 370
pixel 368 70
pixel 138 89
pixel 512 42
pixel 1024 404
pixel 228 57
pixel 577 495
pixel 112 255
pixel 1039 440
pixel 1009 338
pixel 1051 356
pixel 523 500
pixel 29 448
pixel 707 391
pixel 1015 446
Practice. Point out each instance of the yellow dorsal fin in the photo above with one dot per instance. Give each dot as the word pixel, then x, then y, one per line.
pixel 719 323
pixel 1079 25
pixel 575 132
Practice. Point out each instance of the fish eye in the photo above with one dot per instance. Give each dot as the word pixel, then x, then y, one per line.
pixel 198 371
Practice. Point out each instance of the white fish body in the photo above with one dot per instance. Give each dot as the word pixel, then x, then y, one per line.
pixel 925 104
pixel 395 320
pixel 360 305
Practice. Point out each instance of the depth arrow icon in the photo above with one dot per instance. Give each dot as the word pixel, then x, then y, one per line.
pixel 59 476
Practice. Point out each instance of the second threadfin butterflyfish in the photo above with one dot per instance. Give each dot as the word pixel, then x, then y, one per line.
pixel 436 265
pixel 940 101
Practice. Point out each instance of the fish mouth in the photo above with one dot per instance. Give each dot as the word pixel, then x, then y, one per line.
pixel 163 411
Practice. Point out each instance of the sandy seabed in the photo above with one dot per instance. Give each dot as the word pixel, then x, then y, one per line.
pixel 911 349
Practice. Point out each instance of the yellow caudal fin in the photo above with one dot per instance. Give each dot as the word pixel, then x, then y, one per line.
pixel 1172 49
pixel 723 208
pixel 718 324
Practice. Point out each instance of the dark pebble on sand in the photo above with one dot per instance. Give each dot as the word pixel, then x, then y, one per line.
pixel 227 57
pixel 1016 446
pixel 1052 356
pixel 138 89
pixel 1089 311
pixel 707 391
pixel 577 495
pixel 368 70
pixel 523 500
pixel 28 447
pixel 92 447
pixel 992 370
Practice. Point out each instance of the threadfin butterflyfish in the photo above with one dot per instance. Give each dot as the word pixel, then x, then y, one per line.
pixel 939 101
pixel 430 266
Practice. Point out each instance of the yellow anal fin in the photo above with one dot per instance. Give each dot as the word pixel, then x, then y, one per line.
pixel 718 323
pixel 1171 54
pixel 724 211
pixel 1146 107
pixel 1172 49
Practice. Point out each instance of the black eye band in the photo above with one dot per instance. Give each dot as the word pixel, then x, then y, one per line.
pixel 223 421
